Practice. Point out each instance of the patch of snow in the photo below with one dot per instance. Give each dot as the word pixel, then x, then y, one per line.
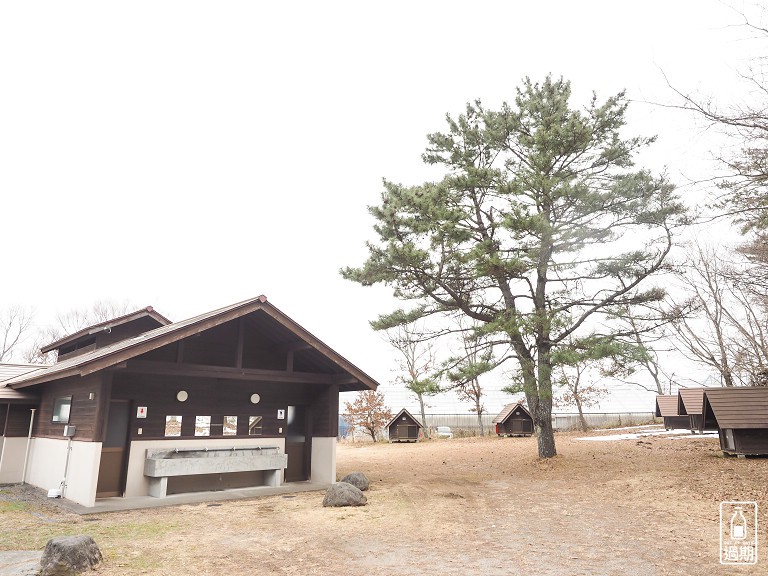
pixel 629 427
pixel 612 437
pixel 704 435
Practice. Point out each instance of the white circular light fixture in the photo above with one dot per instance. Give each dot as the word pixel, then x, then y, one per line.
pixel 255 398
pixel 182 395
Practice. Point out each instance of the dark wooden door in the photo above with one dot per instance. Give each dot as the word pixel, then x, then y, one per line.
pixel 114 451
pixel 521 427
pixel 298 444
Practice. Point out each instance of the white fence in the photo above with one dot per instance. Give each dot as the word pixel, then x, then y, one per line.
pixel 467 425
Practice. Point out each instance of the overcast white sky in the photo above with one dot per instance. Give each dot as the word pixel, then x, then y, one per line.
pixel 188 155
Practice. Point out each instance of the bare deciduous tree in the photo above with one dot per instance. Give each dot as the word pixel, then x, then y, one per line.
pixel 15 328
pixel 578 393
pixel 464 372
pixel 70 322
pixel 417 363
pixel 726 330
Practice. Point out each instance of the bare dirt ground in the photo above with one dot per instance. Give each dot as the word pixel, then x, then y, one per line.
pixel 487 506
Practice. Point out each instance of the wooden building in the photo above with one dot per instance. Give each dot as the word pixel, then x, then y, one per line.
pixel 742 418
pixel 690 402
pixel 15 418
pixel 244 393
pixel 514 420
pixel 666 407
pixel 404 427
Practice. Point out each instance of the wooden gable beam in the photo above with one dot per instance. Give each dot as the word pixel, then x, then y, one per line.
pixel 204 371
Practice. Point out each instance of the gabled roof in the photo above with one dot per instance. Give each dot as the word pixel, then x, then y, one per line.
pixel 508 410
pixel 144 312
pixel 404 411
pixel 114 354
pixel 8 394
pixel 745 407
pixel 8 371
pixel 690 401
pixel 666 406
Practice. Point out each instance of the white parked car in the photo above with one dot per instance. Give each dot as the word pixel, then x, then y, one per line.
pixel 443 432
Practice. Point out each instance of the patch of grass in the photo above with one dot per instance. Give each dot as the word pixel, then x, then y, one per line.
pixel 12 507
pixel 32 533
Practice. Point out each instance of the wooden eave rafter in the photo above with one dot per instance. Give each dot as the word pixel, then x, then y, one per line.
pixel 230 373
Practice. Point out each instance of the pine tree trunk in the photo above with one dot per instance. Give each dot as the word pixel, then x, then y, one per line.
pixel 545 436
pixel 543 417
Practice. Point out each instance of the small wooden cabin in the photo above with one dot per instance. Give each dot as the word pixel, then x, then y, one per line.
pixel 666 407
pixel 514 420
pixel 242 396
pixel 404 427
pixel 690 402
pixel 742 418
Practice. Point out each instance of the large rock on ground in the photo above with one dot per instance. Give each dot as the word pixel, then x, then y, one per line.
pixel 344 494
pixel 358 480
pixel 69 555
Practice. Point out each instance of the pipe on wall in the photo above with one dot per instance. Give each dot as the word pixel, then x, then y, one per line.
pixel 66 467
pixel 29 440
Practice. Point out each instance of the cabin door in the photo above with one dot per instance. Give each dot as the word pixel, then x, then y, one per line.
pixel 114 450
pixel 298 444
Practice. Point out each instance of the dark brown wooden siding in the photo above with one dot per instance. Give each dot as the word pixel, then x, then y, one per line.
pixel 127 330
pixel 402 426
pixel 17 424
pixel 218 398
pixel 677 422
pixel 522 424
pixel 84 412
pixel 325 412
pixel 749 442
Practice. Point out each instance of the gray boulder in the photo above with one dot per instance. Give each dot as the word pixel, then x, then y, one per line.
pixel 69 555
pixel 344 494
pixel 357 479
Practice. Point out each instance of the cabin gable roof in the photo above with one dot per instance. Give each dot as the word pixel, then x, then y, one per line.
pixel 115 354
pixel 508 410
pixel 666 406
pixel 690 401
pixel 738 407
pixel 404 412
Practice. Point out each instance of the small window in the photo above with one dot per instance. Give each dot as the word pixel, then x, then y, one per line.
pixel 230 425
pixel 254 426
pixel 202 425
pixel 173 425
pixel 61 408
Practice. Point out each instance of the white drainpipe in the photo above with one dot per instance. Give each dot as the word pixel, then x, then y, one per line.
pixel 29 440
pixel 66 467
